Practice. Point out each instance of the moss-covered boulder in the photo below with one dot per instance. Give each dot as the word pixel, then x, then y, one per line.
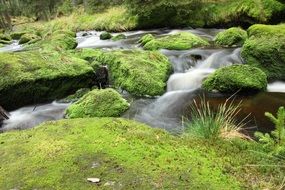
pixel 179 41
pixel 17 35
pixel 59 40
pixel 265 49
pixel 119 37
pixel 236 78
pixel 105 36
pixel 29 38
pixel 146 38
pixel 231 37
pixel 98 103
pixel 33 77
pixel 141 73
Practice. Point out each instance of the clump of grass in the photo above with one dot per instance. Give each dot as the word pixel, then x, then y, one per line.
pixel 210 123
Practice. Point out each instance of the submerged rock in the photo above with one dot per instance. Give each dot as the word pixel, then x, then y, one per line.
pixel 105 36
pixel 179 41
pixel 231 37
pixel 98 103
pixel 119 37
pixel 32 77
pixel 236 78
pixel 265 49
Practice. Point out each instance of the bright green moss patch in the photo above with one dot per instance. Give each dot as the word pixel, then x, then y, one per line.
pixel 139 72
pixel 58 40
pixel 63 154
pixel 34 76
pixel 265 49
pixel 230 37
pixel 179 41
pixel 146 38
pixel 98 103
pixel 236 78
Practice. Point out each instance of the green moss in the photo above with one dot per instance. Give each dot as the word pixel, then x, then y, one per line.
pixel 98 103
pixel 236 78
pixel 76 96
pixel 59 40
pixel 139 72
pixel 29 38
pixel 17 35
pixel 265 49
pixel 119 37
pixel 34 76
pixel 231 37
pixel 180 41
pixel 146 38
pixel 63 154
pixel 105 36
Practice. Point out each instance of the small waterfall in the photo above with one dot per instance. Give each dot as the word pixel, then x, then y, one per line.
pixel 167 110
pixel 31 116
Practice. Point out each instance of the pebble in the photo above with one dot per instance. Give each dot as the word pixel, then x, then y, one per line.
pixel 93 180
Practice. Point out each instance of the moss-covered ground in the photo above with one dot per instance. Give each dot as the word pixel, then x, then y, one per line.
pixel 129 155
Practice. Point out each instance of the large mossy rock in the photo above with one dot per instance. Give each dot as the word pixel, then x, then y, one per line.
pixel 59 40
pixel 33 77
pixel 179 41
pixel 236 78
pixel 105 36
pixel 98 103
pixel 141 73
pixel 265 49
pixel 231 37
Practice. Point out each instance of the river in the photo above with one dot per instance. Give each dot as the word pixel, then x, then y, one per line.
pixel 184 85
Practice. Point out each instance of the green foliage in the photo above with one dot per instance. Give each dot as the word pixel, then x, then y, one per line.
pixel 141 73
pixel 105 36
pixel 180 41
pixel 265 49
pixel 98 103
pixel 230 37
pixel 236 78
pixel 276 140
pixel 34 76
pixel 209 123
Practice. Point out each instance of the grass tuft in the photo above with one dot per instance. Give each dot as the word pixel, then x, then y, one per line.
pixel 209 123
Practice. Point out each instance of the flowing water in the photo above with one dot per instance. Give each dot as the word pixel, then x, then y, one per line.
pixel 184 85
pixel 14 46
